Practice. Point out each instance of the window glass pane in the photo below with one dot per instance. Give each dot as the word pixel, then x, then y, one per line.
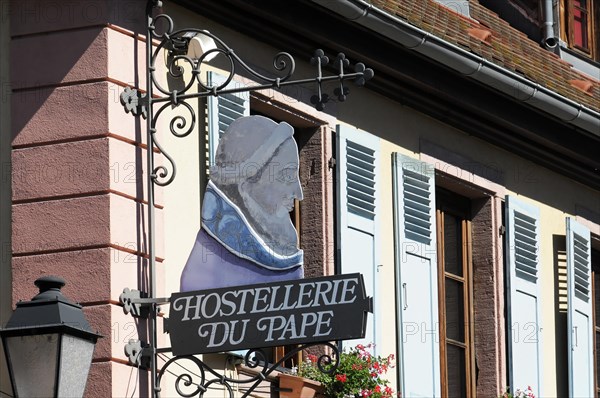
pixel 455 311
pixel 577 33
pixel 452 245
pixel 579 23
pixel 456 372
pixel 580 4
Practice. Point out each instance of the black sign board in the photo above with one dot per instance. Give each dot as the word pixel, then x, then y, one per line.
pixel 269 314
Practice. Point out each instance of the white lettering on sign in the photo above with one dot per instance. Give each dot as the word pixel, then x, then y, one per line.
pixel 229 331
pixel 264 299
pixel 283 328
pixel 260 315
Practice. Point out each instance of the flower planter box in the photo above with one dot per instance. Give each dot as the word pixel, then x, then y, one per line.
pixel 291 386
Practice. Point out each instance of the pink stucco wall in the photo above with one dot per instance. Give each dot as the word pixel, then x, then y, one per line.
pixel 78 182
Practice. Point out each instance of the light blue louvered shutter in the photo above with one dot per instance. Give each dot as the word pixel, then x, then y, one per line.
pixel 222 111
pixel 580 321
pixel 523 287
pixel 358 216
pixel 416 277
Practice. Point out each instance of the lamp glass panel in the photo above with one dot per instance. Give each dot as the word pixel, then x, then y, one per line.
pixel 33 359
pixel 75 360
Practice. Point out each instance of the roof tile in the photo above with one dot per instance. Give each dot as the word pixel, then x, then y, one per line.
pixel 506 47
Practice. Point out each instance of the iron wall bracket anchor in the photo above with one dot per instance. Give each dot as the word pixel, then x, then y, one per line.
pixel 135 102
pixel 130 299
pixel 139 353
pixel 136 303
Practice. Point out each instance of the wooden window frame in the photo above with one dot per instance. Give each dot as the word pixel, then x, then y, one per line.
pixel 302 123
pixel 567 32
pixel 451 204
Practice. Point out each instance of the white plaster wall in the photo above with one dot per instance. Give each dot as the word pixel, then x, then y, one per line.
pixel 405 130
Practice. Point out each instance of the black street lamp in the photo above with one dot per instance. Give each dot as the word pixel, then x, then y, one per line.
pixel 48 344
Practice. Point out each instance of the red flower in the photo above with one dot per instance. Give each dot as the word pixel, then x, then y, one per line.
pixel 377 389
pixel 341 378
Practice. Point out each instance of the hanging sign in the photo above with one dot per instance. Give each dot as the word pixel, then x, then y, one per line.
pixel 269 314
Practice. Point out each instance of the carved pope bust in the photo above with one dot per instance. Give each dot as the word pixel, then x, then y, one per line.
pixel 247 235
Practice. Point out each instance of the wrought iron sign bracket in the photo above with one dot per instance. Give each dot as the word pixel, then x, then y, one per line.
pixel 139 353
pixel 135 102
pixel 137 303
pixel 197 380
pixel 190 50
pixel 186 53
pixel 138 103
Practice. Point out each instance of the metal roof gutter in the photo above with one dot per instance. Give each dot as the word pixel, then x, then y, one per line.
pixel 466 63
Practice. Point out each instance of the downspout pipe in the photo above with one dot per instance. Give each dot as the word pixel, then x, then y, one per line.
pixel 467 63
pixel 550 40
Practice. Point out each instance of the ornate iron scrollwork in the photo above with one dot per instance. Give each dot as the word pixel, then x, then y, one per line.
pixel 191 384
pixel 172 50
pixel 151 104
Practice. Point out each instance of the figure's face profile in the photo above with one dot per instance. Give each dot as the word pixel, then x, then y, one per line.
pixel 247 234
pixel 256 167
pixel 276 186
